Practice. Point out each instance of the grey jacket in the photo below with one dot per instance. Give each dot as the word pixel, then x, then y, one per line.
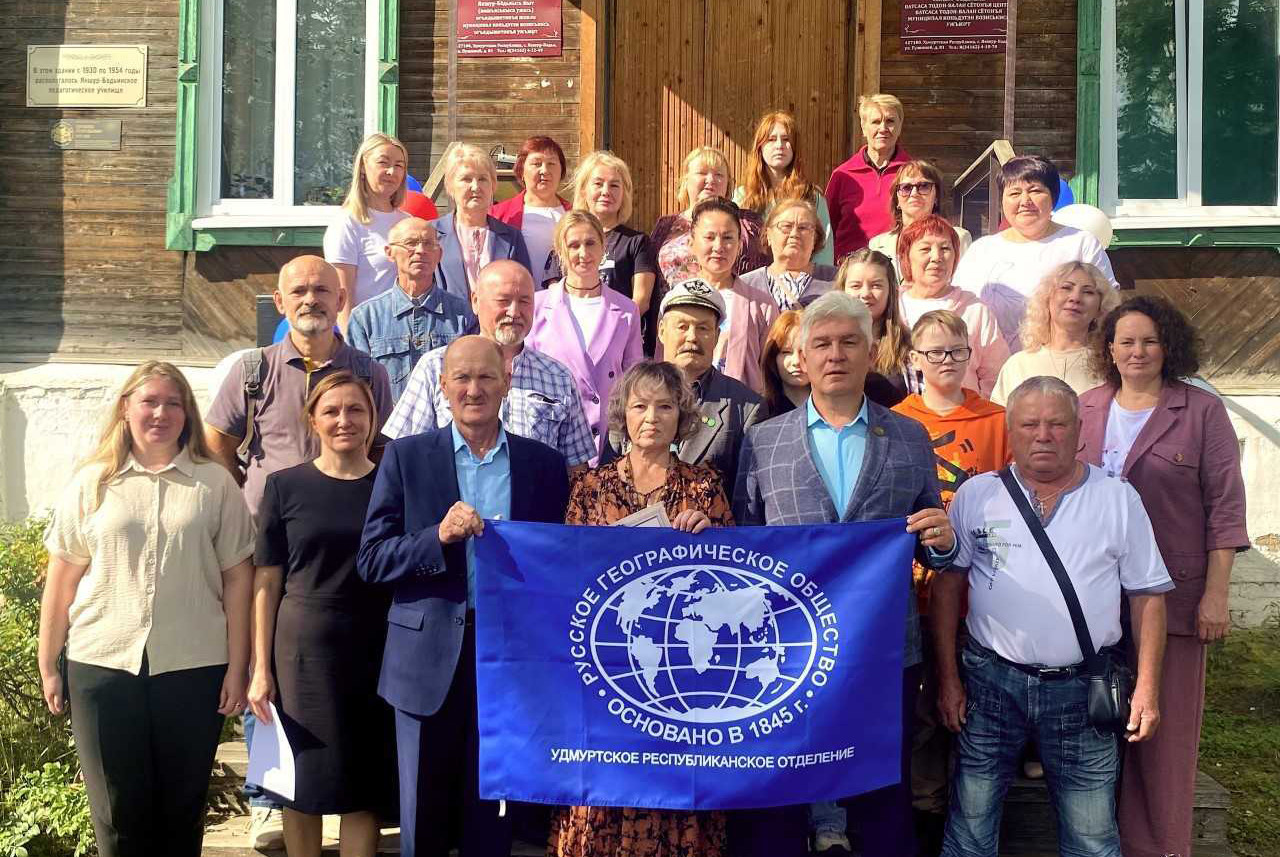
pixel 729 408
pixel 779 484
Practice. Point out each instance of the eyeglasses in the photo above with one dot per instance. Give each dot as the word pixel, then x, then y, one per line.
pixel 937 355
pixel 786 227
pixel 908 188
pixel 414 245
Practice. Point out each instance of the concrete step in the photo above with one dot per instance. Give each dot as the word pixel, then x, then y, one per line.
pixel 1028 828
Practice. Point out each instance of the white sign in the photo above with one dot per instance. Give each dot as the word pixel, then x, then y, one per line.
pixel 86 75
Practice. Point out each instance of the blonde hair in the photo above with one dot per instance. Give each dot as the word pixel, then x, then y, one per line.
pixel 1036 330
pixel 115 443
pixel 819 235
pixel 460 155
pixel 577 217
pixel 332 381
pixel 357 202
pixel 893 340
pixel 758 191
pixel 943 318
pixel 611 161
pixel 703 153
pixel 884 102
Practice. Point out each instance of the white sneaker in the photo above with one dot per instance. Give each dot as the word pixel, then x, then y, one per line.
pixel 830 840
pixel 266 829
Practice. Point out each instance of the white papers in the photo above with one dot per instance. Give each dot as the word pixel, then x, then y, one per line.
pixel 271 757
pixel 649 516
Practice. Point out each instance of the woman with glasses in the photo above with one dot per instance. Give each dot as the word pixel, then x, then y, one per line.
pixel 795 234
pixel 927 253
pixel 917 191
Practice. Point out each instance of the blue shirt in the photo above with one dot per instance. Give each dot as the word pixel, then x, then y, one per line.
pixel 485 485
pixel 838 453
pixel 397 330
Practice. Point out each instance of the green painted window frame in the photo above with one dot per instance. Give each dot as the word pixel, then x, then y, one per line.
pixel 181 195
pixel 1085 182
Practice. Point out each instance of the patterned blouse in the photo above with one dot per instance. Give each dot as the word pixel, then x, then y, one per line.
pixel 602 496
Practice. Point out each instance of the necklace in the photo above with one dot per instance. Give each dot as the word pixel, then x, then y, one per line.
pixel 628 476
pixel 576 292
pixel 1041 501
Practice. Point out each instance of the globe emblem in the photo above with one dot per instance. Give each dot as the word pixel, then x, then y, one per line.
pixel 704 644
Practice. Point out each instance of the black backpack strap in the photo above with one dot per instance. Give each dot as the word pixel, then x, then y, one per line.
pixel 1055 565
pixel 252 363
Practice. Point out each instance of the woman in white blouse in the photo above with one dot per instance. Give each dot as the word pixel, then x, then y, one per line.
pixel 1060 329
pixel 148 588
pixel 355 243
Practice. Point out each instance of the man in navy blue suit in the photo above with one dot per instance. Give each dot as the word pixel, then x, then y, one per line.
pixel 432 494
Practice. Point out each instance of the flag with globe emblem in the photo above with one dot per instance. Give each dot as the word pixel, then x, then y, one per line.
pixel 740 667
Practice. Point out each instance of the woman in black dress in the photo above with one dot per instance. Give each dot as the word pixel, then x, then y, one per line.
pixel 318 648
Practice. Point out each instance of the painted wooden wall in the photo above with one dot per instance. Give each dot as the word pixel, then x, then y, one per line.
pixel 702 72
pixel 955 102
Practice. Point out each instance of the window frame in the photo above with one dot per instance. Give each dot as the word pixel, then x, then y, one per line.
pixel 196 221
pixel 1098 183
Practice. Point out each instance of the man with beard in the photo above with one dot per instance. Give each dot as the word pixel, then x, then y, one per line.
pixel 256 426
pixel 542 403
pixel 688 327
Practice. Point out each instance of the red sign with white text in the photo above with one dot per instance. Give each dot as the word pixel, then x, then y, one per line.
pixel 510 28
pixel 954 26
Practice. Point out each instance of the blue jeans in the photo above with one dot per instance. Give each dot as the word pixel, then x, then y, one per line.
pixel 1005 708
pixel 827 816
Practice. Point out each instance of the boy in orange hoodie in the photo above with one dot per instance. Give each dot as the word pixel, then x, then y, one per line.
pixel 969 437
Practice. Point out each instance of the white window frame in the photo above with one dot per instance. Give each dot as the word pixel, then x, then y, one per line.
pixel 214 212
pixel 1187 209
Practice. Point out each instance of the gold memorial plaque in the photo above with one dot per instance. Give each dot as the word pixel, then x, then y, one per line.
pixel 86 75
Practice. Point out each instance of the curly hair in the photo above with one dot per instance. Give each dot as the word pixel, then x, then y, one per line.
pixel 1037 328
pixel 669 379
pixel 608 160
pixel 780 334
pixel 1179 339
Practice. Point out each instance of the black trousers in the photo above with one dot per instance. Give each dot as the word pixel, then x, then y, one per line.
pixel 146 746
pixel 439 757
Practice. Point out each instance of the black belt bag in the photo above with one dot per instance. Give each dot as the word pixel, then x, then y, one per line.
pixel 1110 679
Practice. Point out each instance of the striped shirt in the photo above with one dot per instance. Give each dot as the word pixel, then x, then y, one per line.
pixel 542 405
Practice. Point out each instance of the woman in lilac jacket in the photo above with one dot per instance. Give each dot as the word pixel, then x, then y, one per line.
pixel 1174 443
pixel 594 331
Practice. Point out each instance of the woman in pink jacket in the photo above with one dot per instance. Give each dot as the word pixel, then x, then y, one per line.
pixel 927 251
pixel 1173 443
pixel 594 331
pixel 859 190
pixel 749 312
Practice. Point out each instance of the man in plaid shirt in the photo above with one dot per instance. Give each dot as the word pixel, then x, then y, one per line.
pixel 543 402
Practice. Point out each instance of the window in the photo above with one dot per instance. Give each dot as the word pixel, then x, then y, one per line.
pixel 1189 109
pixel 289 88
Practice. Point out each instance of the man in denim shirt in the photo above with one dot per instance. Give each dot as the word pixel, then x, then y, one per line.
pixel 400 325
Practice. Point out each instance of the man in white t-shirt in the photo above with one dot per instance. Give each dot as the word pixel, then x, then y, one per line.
pixel 1023 673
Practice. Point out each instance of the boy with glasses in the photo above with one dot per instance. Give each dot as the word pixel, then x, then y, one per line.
pixel 969 437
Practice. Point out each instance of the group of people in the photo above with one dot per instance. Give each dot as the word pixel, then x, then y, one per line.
pixel 305 550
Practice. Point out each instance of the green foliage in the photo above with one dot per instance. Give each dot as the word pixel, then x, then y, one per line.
pixel 43 806
pixel 1240 744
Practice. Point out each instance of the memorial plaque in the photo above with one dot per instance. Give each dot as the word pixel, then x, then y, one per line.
pixel 86 75
pixel 954 26
pixel 510 28
pixel 100 134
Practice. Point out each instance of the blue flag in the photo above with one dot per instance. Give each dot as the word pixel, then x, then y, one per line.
pixel 736 668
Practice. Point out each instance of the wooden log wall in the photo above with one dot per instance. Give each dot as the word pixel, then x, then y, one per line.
pixel 703 72
pixel 501 101
pixel 1231 295
pixel 83 269
pixel 954 102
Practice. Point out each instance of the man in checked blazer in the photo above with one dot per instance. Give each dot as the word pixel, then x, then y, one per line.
pixel 843 458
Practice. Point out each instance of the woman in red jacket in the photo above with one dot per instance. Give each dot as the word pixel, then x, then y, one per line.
pixel 1173 443
pixel 858 193
pixel 535 211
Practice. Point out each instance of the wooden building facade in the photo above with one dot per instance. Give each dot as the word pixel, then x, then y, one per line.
pixel 123 255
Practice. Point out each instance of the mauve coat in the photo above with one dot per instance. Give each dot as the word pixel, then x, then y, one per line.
pixel 1185 465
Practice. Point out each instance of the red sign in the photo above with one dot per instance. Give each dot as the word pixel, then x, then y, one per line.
pixel 954 26
pixel 509 28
